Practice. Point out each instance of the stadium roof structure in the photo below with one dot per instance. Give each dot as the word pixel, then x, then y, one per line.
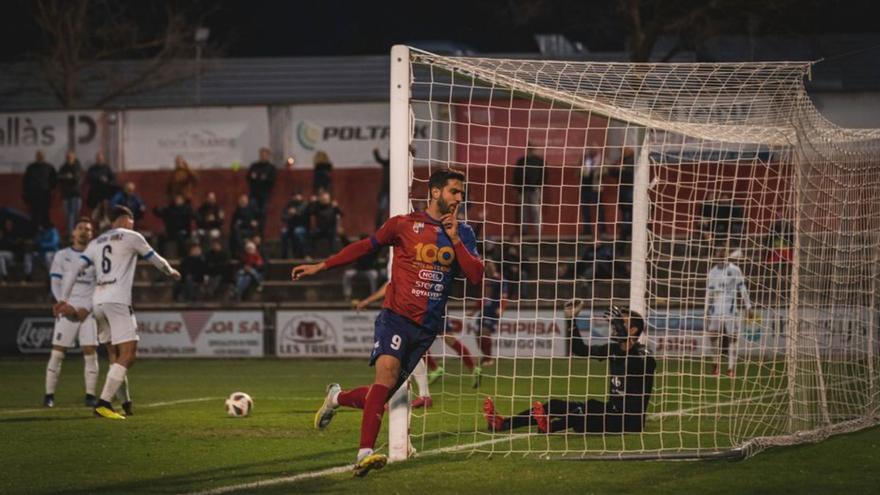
pixel 286 80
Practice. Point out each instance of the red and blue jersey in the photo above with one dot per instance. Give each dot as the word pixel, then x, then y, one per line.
pixel 425 263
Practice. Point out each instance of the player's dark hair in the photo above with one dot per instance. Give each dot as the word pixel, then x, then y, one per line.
pixel 83 220
pixel 440 177
pixel 118 211
pixel 636 320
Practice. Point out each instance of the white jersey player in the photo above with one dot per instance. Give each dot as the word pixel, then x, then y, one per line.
pixel 80 326
pixel 726 293
pixel 114 255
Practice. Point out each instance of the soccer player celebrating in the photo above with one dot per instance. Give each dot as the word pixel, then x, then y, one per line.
pixel 431 247
pixel 725 291
pixel 420 373
pixel 630 382
pixel 114 255
pixel 80 326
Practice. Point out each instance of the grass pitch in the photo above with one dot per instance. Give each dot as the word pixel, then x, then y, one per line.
pixel 181 441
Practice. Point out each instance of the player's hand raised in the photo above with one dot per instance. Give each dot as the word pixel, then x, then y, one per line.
pixel 450 223
pixel 303 271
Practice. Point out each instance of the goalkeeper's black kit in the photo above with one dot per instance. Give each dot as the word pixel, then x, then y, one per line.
pixel 630 381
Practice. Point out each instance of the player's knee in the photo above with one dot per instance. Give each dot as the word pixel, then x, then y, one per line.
pixel 88 350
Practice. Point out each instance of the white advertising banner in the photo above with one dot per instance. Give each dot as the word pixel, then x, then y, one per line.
pixel 348 133
pixel 206 137
pixel 324 333
pixel 350 334
pixel 53 133
pixel 544 334
pixel 200 333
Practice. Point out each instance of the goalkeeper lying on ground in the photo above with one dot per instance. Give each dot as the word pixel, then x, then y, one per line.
pixel 631 378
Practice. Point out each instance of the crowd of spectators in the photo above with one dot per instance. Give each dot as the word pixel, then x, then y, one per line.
pixel 224 255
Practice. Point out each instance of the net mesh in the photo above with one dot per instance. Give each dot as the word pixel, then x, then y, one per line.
pixel 626 184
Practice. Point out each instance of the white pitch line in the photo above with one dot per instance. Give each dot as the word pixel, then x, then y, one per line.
pixel 276 481
pixel 154 404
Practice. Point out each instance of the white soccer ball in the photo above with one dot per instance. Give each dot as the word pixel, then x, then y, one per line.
pixel 239 404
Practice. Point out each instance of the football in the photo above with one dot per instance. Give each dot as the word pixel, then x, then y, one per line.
pixel 239 404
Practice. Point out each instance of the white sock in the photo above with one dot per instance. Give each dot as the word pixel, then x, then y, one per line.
pixel 53 370
pixel 420 375
pixel 123 392
pixel 115 377
pixel 333 401
pixel 731 356
pixel 91 372
pixel 363 453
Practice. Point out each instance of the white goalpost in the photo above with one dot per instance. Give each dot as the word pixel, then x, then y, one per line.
pixel 630 184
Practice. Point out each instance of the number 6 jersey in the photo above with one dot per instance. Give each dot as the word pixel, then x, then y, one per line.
pixel 114 255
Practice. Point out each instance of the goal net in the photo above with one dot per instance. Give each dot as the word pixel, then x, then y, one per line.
pixel 627 184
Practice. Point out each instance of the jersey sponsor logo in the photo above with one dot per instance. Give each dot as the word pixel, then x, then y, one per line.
pixel 430 253
pixel 418 227
pixel 430 275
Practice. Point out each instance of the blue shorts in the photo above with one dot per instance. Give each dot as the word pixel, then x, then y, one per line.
pixel 489 323
pixel 399 337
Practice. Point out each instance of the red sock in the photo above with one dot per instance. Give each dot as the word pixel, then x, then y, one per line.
pixel 463 352
pixel 429 360
pixel 373 411
pixel 486 346
pixel 355 397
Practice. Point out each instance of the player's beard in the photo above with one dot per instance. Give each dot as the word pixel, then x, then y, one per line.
pixel 444 206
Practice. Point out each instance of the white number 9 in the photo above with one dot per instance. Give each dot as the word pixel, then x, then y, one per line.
pixel 395 342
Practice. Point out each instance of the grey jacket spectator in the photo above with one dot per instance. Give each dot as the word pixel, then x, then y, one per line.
pixel 101 181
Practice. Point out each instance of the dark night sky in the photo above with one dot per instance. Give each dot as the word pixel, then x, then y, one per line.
pixel 334 27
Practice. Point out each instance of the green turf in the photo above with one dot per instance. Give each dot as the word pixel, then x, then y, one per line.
pixel 193 445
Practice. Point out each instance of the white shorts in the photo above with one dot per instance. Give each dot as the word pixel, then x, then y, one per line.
pixel 117 320
pixel 67 332
pixel 728 324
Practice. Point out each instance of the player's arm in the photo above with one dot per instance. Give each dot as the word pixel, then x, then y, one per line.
pixel 142 247
pixel 56 276
pixel 744 293
pixel 385 236
pixel 363 303
pixel 465 246
pixel 68 278
pixel 577 346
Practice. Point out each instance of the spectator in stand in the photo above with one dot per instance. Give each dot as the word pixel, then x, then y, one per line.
pixel 178 218
pixel 217 268
pixel 322 175
pixel 625 180
pixel 101 181
pixel 16 242
pixel 193 274
pixel 779 242
pixel 325 226
pixel 384 189
pixel 39 180
pixel 70 179
pixel 261 180
pixel 598 260
pixel 128 198
pixel 295 232
pixel 101 216
pixel 210 218
pixel 250 272
pixel 245 224
pixel 46 242
pixel 591 180
pixel 529 177
pixel 365 266
pixel 183 180
pixel 721 218
pixel 512 267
